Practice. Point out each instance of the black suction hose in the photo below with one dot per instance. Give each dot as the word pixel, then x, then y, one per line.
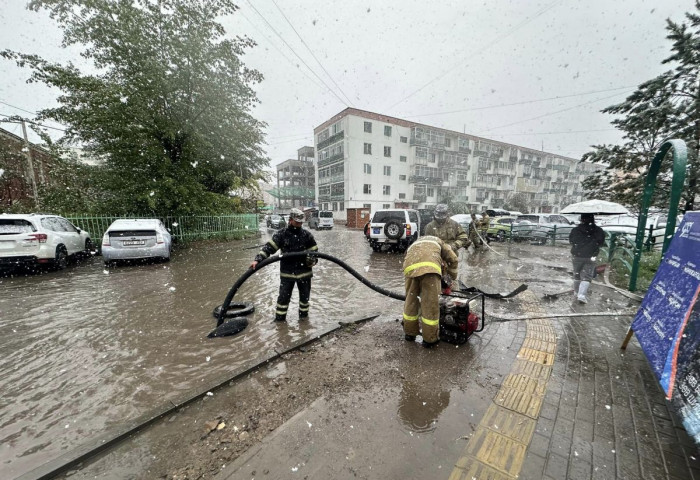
pixel 224 307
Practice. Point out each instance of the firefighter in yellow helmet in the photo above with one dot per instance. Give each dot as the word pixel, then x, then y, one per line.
pixel 423 271
pixel 447 229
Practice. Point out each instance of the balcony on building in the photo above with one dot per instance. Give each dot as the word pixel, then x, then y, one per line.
pixel 330 140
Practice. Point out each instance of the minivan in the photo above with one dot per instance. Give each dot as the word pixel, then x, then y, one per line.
pixel 320 219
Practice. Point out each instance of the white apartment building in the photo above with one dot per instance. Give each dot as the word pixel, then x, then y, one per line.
pixel 365 159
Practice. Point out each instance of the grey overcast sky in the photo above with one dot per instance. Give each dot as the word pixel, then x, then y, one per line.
pixel 531 73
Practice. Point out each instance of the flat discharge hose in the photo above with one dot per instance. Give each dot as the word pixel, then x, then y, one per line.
pixel 276 258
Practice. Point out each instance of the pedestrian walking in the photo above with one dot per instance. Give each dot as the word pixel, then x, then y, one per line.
pixel 293 271
pixel 447 229
pixel 423 271
pixel 585 239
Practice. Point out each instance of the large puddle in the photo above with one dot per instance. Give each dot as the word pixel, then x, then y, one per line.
pixel 89 347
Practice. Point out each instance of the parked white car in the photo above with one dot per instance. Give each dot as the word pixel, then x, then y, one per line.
pixel 627 225
pixel 397 228
pixel 31 240
pixel 136 239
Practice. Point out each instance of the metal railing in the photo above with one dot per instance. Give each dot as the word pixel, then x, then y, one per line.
pixel 182 228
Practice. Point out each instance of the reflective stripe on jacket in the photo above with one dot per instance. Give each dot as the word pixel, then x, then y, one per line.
pixel 427 255
pixel 290 239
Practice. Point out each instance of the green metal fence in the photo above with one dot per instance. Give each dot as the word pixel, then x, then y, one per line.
pixel 183 229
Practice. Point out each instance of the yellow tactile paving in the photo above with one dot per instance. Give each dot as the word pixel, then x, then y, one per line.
pixel 497 449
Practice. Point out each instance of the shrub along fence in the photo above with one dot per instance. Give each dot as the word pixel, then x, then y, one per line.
pixel 183 229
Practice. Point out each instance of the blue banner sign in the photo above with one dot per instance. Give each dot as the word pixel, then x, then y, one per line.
pixel 667 324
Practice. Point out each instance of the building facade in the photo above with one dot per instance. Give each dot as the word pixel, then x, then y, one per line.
pixel 24 168
pixel 374 161
pixel 296 180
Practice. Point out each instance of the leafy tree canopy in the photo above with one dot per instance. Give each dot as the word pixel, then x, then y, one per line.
pixel 664 107
pixel 165 101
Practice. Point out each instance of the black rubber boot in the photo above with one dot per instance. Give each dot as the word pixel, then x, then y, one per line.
pixel 428 345
pixel 303 315
pixel 410 338
pixel 280 318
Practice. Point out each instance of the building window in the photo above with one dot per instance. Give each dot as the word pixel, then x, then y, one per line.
pixel 366 205
pixel 368 149
pixel 368 127
pixel 367 189
pixel 387 131
pixel 368 168
pixel 402 195
pixel 386 206
pixel 402 177
pixel 387 151
pixel 342 206
pixel 404 139
pixel 431 192
pixel 402 158
pixel 386 189
pixel 335 206
pixel 448 142
pixel 387 170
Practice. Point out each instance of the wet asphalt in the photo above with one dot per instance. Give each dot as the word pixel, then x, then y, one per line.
pixel 90 347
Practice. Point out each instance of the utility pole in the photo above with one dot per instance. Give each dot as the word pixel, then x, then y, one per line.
pixel 30 162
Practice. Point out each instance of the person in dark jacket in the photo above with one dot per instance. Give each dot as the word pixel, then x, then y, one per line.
pixel 295 270
pixel 585 239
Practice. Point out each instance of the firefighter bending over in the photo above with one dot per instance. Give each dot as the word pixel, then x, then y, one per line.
pixel 423 272
pixel 447 229
pixel 295 270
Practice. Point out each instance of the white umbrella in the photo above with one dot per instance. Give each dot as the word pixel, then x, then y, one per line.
pixel 596 207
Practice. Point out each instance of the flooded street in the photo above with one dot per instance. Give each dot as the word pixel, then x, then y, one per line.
pixel 89 347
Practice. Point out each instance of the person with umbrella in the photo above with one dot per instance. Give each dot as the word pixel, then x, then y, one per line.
pixel 585 239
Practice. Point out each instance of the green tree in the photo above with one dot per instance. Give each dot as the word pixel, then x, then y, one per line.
pixel 667 106
pixel 165 101
pixel 518 201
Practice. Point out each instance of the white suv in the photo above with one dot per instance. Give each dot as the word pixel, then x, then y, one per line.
pixel 397 228
pixel 33 240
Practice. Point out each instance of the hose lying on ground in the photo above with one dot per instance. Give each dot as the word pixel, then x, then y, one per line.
pixel 229 297
pixel 560 315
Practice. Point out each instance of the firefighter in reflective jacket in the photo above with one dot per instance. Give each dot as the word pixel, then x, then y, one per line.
pixel 296 270
pixel 447 229
pixel 423 270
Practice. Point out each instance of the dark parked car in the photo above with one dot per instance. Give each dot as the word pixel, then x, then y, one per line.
pixel 276 221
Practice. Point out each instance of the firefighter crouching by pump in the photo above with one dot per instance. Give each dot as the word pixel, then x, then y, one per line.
pixel 423 271
pixel 295 270
pixel 447 229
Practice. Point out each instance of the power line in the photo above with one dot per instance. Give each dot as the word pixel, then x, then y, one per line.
pixel 10 119
pixel 18 108
pixel 291 62
pixel 519 103
pixel 554 133
pixel 296 54
pixel 552 113
pixel 488 45
pixel 312 54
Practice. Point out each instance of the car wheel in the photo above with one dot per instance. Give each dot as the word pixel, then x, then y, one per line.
pixel 501 236
pixel 89 247
pixel 377 247
pixel 393 230
pixel 61 260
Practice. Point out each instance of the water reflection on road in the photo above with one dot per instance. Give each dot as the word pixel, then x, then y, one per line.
pixel 87 348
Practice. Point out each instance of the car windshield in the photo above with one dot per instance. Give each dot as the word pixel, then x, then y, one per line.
pixel 385 216
pixel 12 226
